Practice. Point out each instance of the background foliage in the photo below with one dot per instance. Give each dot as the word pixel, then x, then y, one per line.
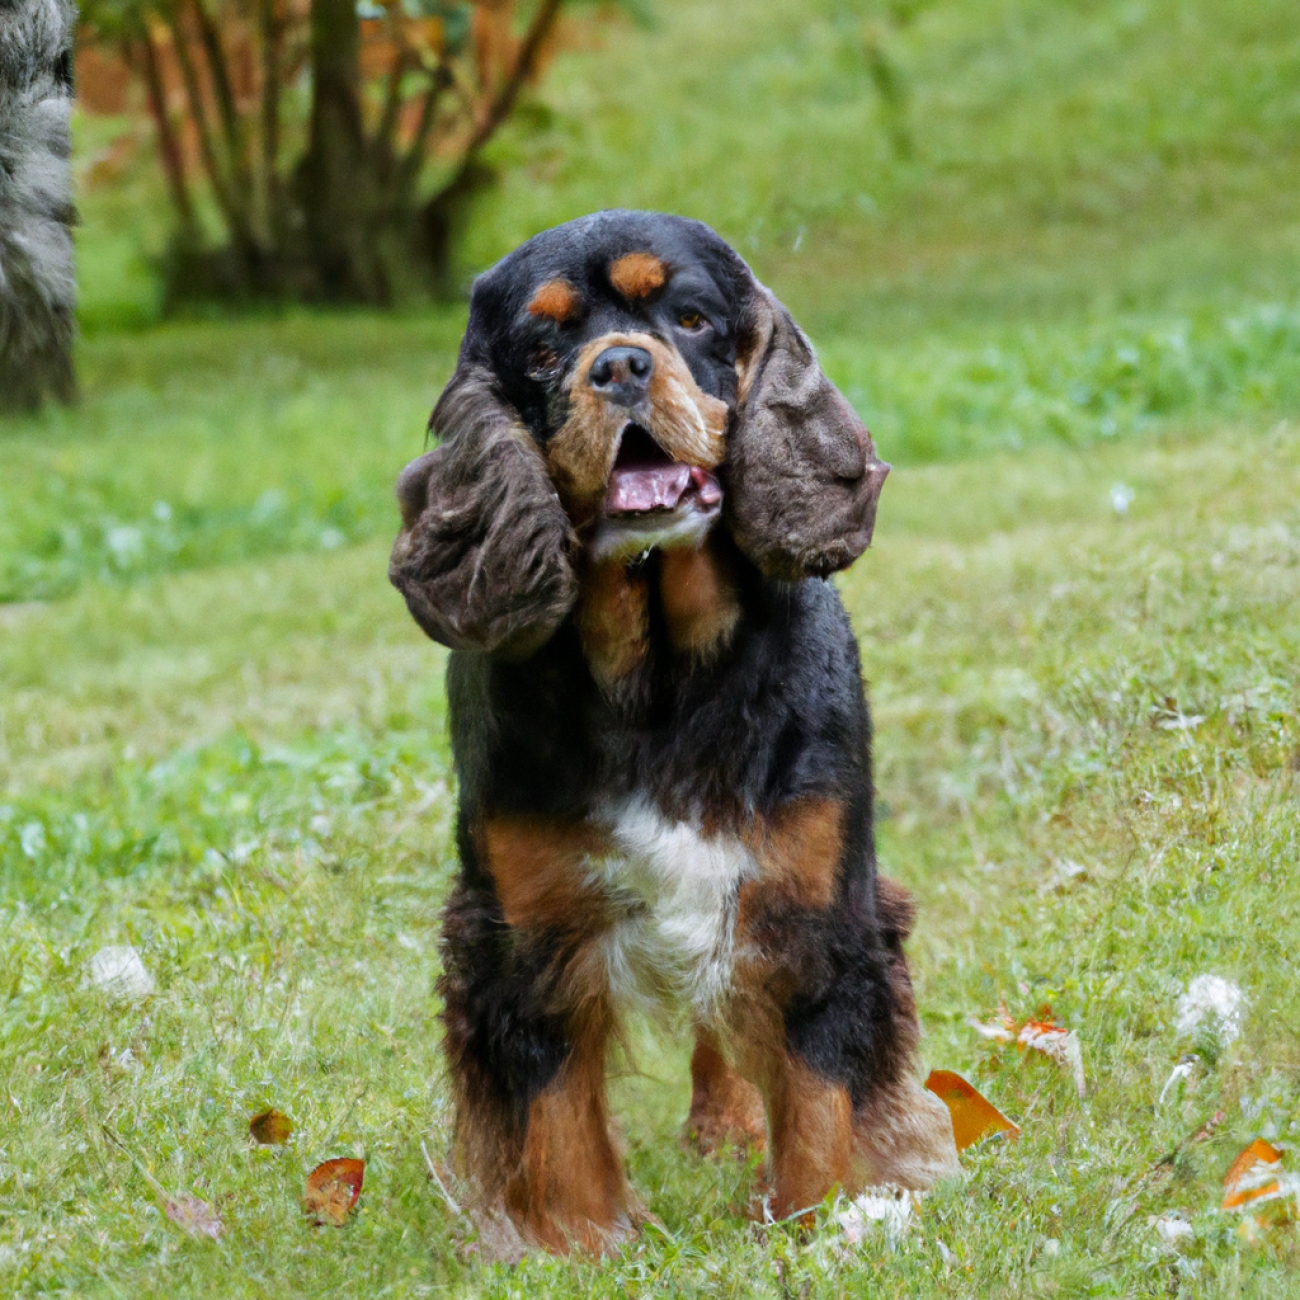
pixel 294 137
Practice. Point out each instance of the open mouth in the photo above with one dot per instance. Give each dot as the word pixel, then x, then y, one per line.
pixel 645 478
pixel 654 501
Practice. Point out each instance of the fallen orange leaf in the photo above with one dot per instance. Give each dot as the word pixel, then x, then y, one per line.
pixel 1042 1035
pixel 270 1128
pixel 973 1116
pixel 1247 1178
pixel 332 1190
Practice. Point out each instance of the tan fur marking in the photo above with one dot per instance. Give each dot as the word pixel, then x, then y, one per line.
pixel 614 622
pixel 754 343
pixel 569 1191
pixel 581 454
pixel 537 868
pixel 811 1123
pixel 685 421
pixel 724 1107
pixel 556 299
pixel 638 275
pixel 799 851
pixel 699 601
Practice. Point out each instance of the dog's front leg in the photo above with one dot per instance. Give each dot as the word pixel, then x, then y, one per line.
pixel 809 1116
pixel 528 1020
pixel 568 1189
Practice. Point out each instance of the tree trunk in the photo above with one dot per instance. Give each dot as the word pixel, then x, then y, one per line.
pixel 339 197
pixel 37 281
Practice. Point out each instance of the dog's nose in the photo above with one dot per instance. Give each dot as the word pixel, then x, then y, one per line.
pixel 622 375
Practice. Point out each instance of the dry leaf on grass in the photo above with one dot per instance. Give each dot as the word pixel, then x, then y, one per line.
pixel 270 1128
pixel 196 1217
pixel 1258 1190
pixel 332 1190
pixel 973 1116
pixel 1206 1131
pixel 1042 1035
pixel 1174 1228
pixel 1058 1044
pixel 1252 1177
pixel 890 1207
pixel 1065 873
pixel 1211 1004
pixel 1002 1029
pixel 1181 1072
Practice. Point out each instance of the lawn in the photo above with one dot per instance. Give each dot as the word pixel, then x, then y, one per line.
pixel 1061 278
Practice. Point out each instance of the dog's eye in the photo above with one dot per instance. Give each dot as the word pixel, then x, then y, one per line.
pixel 543 363
pixel 692 320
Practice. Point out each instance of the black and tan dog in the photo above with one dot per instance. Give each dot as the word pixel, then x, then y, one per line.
pixel 659 728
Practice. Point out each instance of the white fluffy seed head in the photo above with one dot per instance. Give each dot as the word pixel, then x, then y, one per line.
pixel 120 974
pixel 1212 1004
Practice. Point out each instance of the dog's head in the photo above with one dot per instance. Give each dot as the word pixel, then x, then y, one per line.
pixel 624 383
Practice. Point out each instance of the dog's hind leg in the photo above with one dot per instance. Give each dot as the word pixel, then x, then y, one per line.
pixel 724 1107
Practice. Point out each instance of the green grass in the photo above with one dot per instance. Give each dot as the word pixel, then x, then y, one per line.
pixel 222 739
pixel 243 772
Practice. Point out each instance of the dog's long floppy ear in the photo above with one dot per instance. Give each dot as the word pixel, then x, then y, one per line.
pixel 802 471
pixel 483 555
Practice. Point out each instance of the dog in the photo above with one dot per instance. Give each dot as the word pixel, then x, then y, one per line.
pixel 660 733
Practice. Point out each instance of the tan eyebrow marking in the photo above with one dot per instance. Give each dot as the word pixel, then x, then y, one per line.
pixel 638 275
pixel 557 299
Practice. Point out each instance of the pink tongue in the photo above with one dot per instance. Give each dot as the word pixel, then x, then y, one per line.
pixel 633 491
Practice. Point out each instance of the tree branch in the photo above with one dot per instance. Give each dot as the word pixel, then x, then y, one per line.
pixel 504 101
pixel 408 171
pixel 219 72
pixel 529 50
pixel 386 132
pixel 194 93
pixel 235 218
pixel 169 148
pixel 272 31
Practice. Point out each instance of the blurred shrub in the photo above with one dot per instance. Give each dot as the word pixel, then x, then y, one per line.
pixel 940 399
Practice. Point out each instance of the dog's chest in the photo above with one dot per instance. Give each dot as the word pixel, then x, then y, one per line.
pixel 675 894
pixel 686 589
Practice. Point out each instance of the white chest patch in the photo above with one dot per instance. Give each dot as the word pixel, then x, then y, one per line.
pixel 677 892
